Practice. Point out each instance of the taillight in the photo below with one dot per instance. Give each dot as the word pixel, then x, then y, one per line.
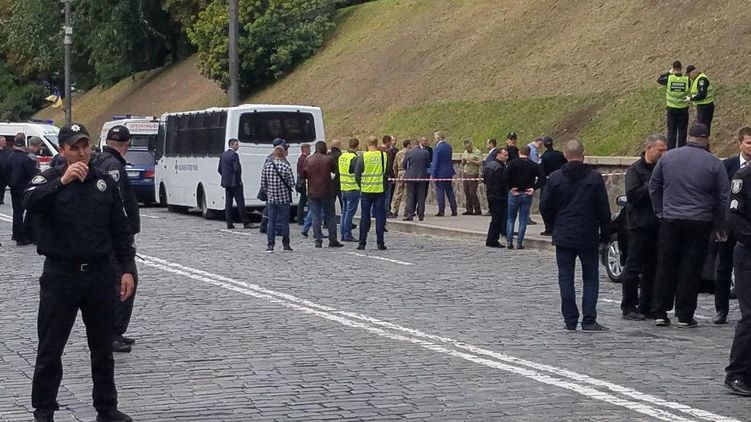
pixel 149 174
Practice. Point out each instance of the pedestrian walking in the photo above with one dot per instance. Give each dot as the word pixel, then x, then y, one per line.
pixel 738 372
pixel 522 178
pixel 230 170
pixel 513 150
pixel 550 161
pixel 702 96
pixel 677 87
pixel 416 163
pixel 471 162
pixel 302 188
pixel 84 225
pixel 371 174
pixel 20 169
pixel 495 188
pixel 396 202
pixel 443 168
pixel 576 204
pixel 725 250
pixel 643 228
pixel 277 181
pixel 349 188
pixel 112 162
pixel 318 172
pixel 689 191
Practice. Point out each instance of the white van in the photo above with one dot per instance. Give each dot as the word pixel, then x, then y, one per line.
pixel 45 130
pixel 190 143
pixel 143 130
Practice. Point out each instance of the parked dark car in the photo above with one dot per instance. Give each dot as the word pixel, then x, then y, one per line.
pixel 614 257
pixel 140 167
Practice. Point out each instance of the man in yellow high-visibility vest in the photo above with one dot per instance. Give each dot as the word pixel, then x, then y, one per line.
pixel 349 189
pixel 371 176
pixel 677 87
pixel 702 95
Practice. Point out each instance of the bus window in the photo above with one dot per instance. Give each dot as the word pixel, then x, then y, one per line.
pixel 264 127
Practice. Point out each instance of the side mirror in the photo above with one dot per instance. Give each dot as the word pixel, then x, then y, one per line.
pixel 621 201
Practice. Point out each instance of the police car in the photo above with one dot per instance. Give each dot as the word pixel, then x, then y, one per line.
pixel 140 158
pixel 43 129
pixel 614 257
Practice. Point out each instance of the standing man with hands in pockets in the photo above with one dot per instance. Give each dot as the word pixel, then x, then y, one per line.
pixel 83 226
pixel 231 171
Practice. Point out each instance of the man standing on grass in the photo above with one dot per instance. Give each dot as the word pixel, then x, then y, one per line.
pixel 575 202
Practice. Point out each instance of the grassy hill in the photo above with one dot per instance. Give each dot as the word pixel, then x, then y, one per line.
pixel 480 68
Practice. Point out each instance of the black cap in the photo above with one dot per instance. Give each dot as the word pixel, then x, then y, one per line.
pixel 72 133
pixel 699 130
pixel 511 135
pixel 547 141
pixel 118 133
pixel 690 68
pixel 677 64
pixel 280 142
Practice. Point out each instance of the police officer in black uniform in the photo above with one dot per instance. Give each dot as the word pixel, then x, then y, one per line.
pixel 112 161
pixel 83 226
pixel 738 378
pixel 20 169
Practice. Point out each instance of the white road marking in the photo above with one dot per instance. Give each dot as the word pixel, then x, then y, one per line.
pixel 395 261
pixel 6 217
pixel 234 232
pixel 150 216
pixel 555 376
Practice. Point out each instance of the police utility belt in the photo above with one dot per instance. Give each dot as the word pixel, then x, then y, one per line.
pixel 78 266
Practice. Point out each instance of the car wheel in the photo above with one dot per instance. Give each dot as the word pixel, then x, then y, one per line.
pixel 612 260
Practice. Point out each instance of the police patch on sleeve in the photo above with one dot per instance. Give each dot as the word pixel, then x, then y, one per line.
pixel 115 175
pixel 736 185
pixel 734 205
pixel 101 185
pixel 38 180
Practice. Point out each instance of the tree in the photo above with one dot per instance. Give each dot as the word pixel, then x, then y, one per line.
pixel 275 36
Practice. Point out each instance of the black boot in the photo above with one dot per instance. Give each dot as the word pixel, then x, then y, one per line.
pixel 112 415
pixel 44 416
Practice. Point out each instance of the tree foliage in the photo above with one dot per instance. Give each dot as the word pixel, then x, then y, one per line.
pixel 275 35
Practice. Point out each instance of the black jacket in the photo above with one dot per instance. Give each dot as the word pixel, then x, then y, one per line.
pixel 732 165
pixel 492 176
pixel 639 211
pixel 335 153
pixel 230 169
pixel 19 168
pixel 551 160
pixel 523 174
pixel 82 221
pixel 3 158
pixel 575 202
pixel 110 161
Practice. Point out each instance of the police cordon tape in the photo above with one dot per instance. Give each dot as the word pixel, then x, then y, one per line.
pixel 465 179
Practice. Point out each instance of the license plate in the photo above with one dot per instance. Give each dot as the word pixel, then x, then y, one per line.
pixel 134 174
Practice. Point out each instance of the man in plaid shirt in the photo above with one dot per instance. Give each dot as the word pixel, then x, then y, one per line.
pixel 277 180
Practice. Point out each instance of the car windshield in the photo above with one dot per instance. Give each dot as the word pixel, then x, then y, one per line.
pixel 140 158
pixel 53 140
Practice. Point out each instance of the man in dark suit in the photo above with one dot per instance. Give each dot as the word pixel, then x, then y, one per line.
pixel 495 187
pixel 725 249
pixel 492 149
pixel 231 171
pixel 415 165
pixel 443 168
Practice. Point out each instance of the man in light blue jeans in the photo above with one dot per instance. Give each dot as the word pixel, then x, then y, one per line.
pixel 519 204
pixel 350 199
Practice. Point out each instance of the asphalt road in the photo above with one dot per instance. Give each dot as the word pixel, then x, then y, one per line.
pixel 432 329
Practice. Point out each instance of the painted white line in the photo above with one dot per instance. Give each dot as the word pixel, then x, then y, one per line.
pixel 10 217
pixel 528 369
pixel 150 216
pixel 234 232
pixel 395 261
pixel 7 220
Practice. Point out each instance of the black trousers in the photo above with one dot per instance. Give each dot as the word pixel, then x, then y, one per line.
pixel 641 261
pixel 64 289
pixel 724 277
pixel 19 228
pixel 417 192
pixel 682 250
pixel 302 203
pixel 705 114
pixel 237 195
pixel 677 122
pixel 740 353
pixel 498 211
pixel 3 184
pixel 123 310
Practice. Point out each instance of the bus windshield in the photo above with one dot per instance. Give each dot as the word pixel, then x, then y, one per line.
pixel 264 127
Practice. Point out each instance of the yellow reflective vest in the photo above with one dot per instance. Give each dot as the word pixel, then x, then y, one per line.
pixel 346 179
pixel 373 174
pixel 677 89
pixel 695 90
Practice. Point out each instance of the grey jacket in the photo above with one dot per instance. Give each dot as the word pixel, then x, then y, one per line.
pixel 689 183
pixel 416 163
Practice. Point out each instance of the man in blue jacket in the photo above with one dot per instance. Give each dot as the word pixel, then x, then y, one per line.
pixel 232 181
pixel 442 167
pixel 575 202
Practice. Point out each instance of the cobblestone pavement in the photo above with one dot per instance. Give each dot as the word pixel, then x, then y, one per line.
pixel 432 329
